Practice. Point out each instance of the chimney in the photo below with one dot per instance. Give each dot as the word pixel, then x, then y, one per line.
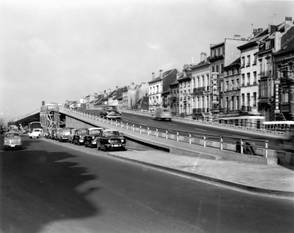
pixel 203 56
pixel 256 31
pixel 153 75
pixel 288 22
pixel 160 73
pixel 272 28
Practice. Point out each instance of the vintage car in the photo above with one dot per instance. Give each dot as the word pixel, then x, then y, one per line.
pixel 91 137
pixel 113 115
pixel 79 136
pixel 36 133
pixel 71 135
pixel 162 114
pixel 12 140
pixel 64 135
pixel 111 139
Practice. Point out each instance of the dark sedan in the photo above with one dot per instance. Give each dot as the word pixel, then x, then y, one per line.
pixel 110 140
pixel 79 136
pixel 91 137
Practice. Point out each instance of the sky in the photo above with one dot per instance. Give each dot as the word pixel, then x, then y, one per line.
pixel 57 50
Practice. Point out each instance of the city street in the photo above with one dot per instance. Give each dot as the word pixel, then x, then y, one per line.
pixel 47 187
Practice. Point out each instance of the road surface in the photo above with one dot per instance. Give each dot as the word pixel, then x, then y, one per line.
pixel 47 187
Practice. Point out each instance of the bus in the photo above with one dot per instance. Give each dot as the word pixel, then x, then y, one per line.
pixel 282 126
pixel 34 125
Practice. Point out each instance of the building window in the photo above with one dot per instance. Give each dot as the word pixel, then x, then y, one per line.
pixel 216 68
pixel 243 80
pixel 248 99
pixel 227 86
pixel 254 78
pixel 248 79
pixel 212 68
pixel 254 59
pixel 254 99
pixel 243 99
pixel 222 68
pixel 248 61
pixel 242 62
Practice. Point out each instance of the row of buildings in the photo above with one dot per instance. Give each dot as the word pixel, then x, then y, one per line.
pixel 240 79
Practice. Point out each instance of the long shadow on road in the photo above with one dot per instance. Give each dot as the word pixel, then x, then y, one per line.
pixel 39 188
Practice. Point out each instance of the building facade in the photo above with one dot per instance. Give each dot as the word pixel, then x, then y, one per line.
pixel 249 76
pixel 154 92
pixel 221 55
pixel 284 75
pixel 201 88
pixel 174 98
pixel 185 92
pixel 269 84
pixel 231 92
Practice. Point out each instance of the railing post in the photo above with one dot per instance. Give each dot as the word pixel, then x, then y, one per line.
pixel 166 135
pixel 221 143
pixel 177 136
pixel 241 146
pixel 140 130
pixel 266 148
pixel 116 123
pixel 148 132
pixel 127 126
pixel 133 128
pixel 190 139
pixel 204 141
pixel 156 133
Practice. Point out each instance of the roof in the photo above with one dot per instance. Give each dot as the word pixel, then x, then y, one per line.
pixel 235 63
pixel 287 42
pixel 155 80
pixel 217 45
pixel 200 64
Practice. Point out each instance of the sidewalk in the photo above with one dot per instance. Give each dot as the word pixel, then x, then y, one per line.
pixel 274 180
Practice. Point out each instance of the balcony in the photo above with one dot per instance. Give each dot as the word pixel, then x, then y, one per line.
pixel 245 109
pixel 199 90
pixel 285 107
pixel 216 57
pixel 267 73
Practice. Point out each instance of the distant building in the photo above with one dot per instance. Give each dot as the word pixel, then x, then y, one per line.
pixel 158 86
pixel 185 91
pixel 222 54
pixel 201 88
pixel 174 98
pixel 269 84
pixel 231 92
pixel 284 76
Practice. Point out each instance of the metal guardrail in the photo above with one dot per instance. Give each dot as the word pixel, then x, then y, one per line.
pixel 246 129
pixel 240 145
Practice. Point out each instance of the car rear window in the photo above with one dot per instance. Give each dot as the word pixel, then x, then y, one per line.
pixel 111 133
pixel 94 131
pixel 11 135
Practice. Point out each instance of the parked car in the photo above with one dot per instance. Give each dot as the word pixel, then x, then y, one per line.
pixel 36 133
pixel 79 136
pixel 111 139
pixel 12 140
pixel 71 135
pixel 162 114
pixel 91 137
pixel 63 135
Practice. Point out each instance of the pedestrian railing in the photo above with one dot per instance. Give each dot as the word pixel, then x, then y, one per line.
pixel 262 131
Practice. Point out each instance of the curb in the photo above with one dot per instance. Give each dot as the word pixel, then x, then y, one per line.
pixel 248 188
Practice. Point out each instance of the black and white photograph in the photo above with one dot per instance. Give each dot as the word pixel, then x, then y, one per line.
pixel 146 116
